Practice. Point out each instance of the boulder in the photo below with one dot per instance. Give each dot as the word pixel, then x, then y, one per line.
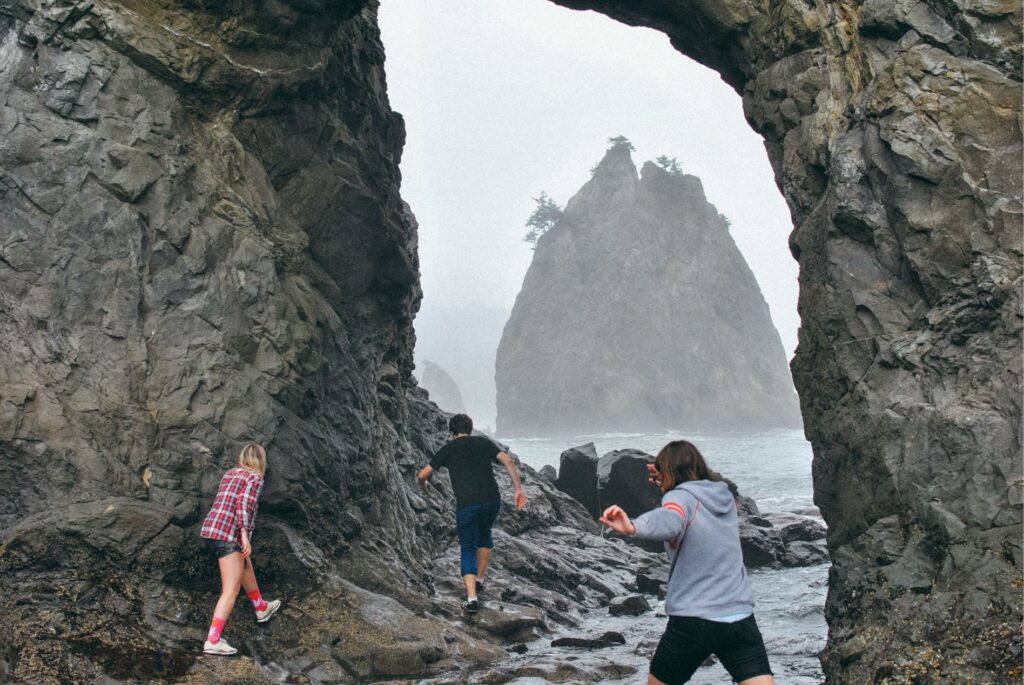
pixel 652 583
pixel 629 606
pixel 577 476
pixel 622 480
pixel 801 529
pixel 608 639
pixel 548 471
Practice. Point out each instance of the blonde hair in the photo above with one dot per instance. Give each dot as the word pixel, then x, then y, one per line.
pixel 254 458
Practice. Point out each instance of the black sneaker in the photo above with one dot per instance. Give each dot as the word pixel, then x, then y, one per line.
pixel 471 606
pixel 479 587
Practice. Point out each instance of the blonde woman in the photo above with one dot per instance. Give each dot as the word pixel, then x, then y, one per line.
pixel 228 529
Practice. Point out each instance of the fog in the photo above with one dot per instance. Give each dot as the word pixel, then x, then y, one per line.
pixel 504 100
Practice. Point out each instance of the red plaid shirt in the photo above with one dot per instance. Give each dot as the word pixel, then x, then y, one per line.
pixel 234 506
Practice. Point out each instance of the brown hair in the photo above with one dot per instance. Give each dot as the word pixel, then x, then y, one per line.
pixel 254 458
pixel 680 461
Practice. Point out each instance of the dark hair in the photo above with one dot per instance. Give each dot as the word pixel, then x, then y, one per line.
pixel 459 424
pixel 680 461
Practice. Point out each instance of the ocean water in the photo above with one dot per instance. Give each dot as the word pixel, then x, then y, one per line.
pixel 774 468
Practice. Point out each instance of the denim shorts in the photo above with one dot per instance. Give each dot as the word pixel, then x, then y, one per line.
pixel 222 548
pixel 688 641
pixel 473 523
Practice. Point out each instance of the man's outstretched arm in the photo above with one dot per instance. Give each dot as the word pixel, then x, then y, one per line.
pixel 424 474
pixel 510 466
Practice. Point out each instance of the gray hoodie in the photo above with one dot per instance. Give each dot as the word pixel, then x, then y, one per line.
pixel 697 522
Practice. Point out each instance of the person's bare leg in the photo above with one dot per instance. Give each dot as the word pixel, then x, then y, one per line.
pixel 759 680
pixel 249 577
pixel 651 680
pixel 230 582
pixel 483 557
pixel 470 580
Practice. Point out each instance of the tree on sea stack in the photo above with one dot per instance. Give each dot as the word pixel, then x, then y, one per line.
pixel 618 141
pixel 545 215
pixel 669 165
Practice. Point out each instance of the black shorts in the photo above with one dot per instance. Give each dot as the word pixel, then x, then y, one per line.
pixel 688 641
pixel 222 548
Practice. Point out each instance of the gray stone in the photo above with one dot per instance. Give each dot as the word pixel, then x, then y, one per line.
pixel 629 606
pixel 622 479
pixel 577 476
pixel 609 639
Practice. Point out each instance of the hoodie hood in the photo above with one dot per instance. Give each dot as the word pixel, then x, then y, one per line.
pixel 713 496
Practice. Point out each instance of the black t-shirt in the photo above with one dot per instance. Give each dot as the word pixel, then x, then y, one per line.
pixel 468 460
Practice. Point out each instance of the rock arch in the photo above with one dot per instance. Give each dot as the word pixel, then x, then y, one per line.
pixel 894 132
pixel 202 241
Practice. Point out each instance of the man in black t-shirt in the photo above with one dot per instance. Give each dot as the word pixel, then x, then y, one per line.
pixel 468 459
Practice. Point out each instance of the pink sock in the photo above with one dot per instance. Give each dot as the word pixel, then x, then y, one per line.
pixel 216 626
pixel 258 603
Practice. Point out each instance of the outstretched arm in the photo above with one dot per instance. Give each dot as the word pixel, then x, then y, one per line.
pixel 424 474
pixel 510 466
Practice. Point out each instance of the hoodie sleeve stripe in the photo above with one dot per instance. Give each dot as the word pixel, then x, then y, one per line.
pixel 672 506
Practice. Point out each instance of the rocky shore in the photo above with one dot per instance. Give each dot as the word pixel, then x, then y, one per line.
pixel 773 540
pixel 202 242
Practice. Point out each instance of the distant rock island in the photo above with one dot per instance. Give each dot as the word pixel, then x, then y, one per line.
pixel 442 389
pixel 462 339
pixel 639 313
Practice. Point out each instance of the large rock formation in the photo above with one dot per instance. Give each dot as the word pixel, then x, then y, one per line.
pixel 201 242
pixel 894 131
pixel 442 389
pixel 638 313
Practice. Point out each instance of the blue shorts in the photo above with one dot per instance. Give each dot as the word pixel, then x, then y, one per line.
pixel 474 523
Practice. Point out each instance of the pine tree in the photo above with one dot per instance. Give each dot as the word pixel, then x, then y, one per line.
pixel 545 215
pixel 669 165
pixel 619 141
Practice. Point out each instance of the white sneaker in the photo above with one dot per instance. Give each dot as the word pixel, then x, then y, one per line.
pixel 219 648
pixel 266 614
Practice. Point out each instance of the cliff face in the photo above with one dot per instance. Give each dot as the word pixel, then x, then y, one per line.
pixel 894 131
pixel 639 313
pixel 201 242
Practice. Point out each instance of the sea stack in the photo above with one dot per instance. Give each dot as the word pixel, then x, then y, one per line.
pixel 639 313
pixel 443 390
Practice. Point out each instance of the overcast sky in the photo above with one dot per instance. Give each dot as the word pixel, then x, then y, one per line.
pixel 505 99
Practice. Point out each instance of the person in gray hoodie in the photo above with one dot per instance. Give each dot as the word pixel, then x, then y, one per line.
pixel 709 602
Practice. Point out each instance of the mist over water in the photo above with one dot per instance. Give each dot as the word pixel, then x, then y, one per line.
pixel 773 467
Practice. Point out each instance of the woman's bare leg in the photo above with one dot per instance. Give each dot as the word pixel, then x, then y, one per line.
pixel 230 582
pixel 249 576
pixel 651 680
pixel 759 680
